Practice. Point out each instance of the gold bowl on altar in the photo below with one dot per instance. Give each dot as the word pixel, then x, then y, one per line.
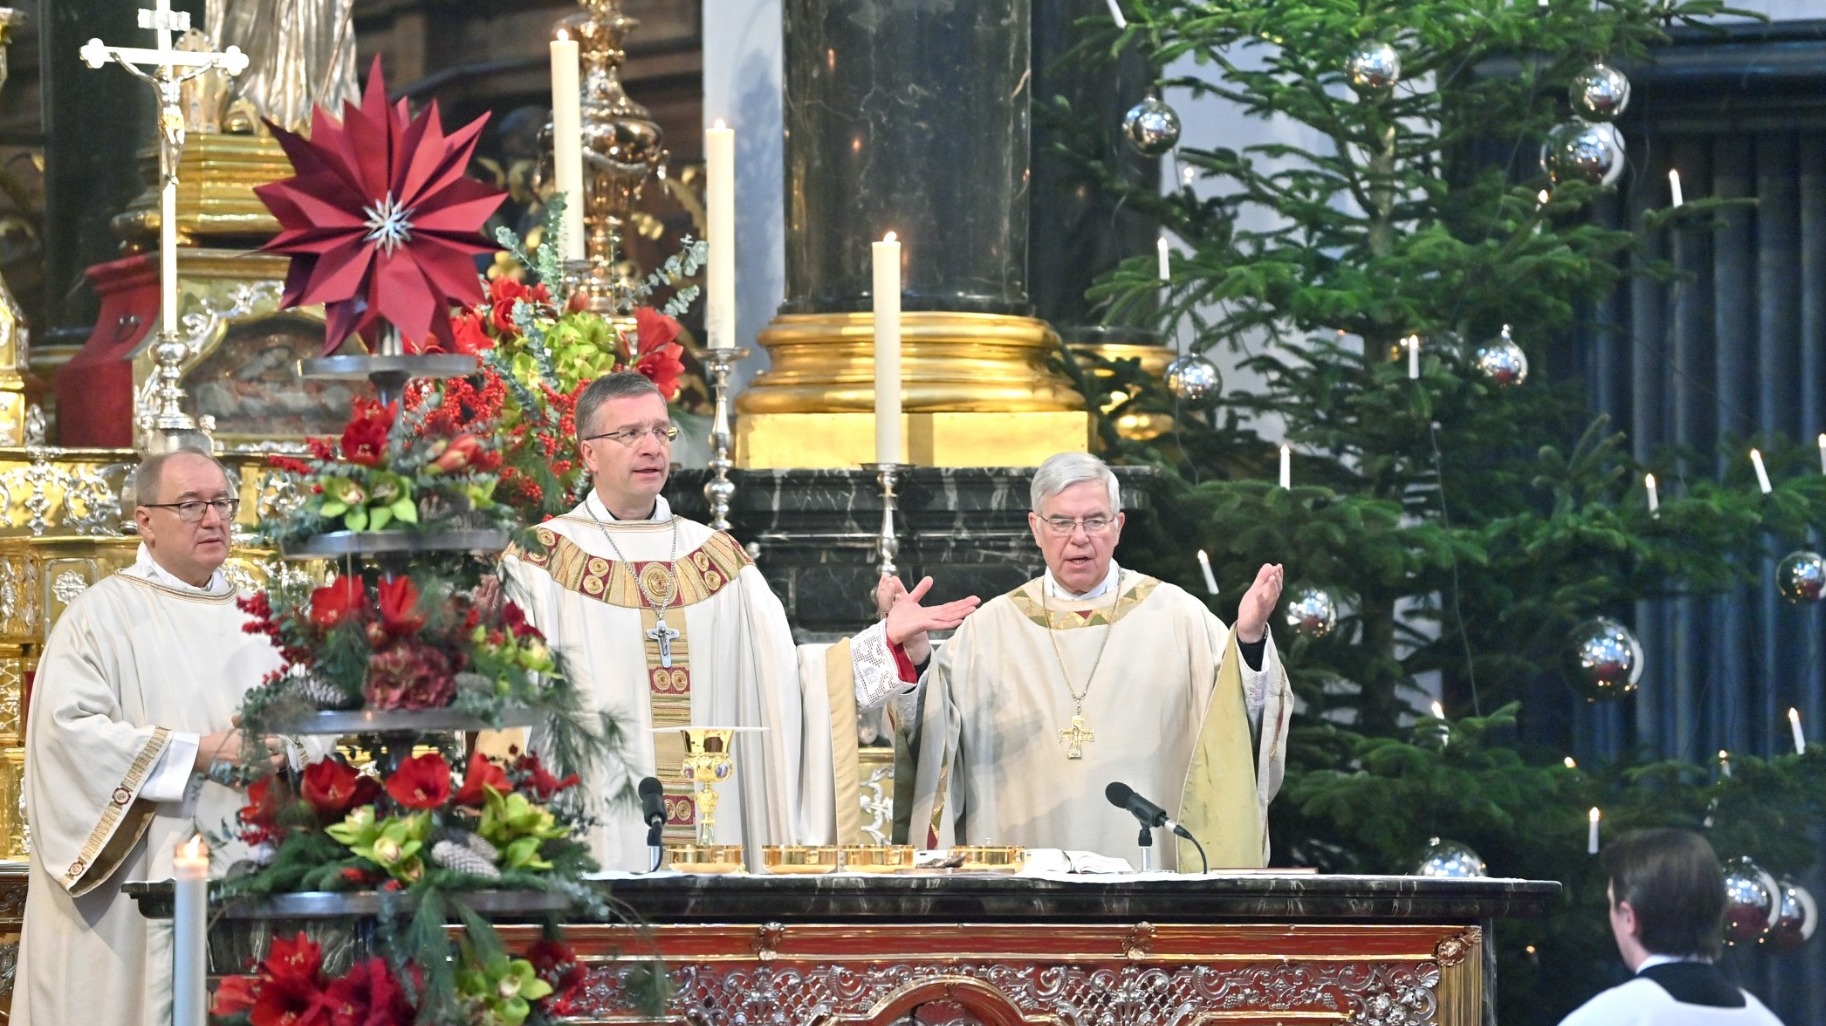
pixel 706 858
pixel 877 858
pixel 987 858
pixel 800 858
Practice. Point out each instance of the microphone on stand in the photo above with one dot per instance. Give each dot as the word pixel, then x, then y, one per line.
pixel 1150 816
pixel 653 810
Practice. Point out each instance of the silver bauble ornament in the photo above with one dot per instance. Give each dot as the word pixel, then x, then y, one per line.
pixel 1801 577
pixel 1606 658
pixel 1151 127
pixel 1502 361
pixel 1192 379
pixel 1373 67
pixel 1311 611
pixel 1449 859
pixel 1582 151
pixel 1796 917
pixel 1752 898
pixel 1599 93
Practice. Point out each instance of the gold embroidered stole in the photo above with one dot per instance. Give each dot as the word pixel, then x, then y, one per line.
pixel 701 573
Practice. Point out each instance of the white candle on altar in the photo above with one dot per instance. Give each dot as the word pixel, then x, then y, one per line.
pixel 1591 839
pixel 1166 259
pixel 1286 465
pixel 1654 496
pixel 719 220
pixel 567 142
pixel 1762 475
pixel 190 923
pixel 1794 724
pixel 1673 186
pixel 1204 566
pixel 168 257
pixel 887 349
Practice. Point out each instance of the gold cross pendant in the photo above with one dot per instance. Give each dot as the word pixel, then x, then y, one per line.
pixel 1074 737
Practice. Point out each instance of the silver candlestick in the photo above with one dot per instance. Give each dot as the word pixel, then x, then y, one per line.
pixel 719 490
pixel 887 544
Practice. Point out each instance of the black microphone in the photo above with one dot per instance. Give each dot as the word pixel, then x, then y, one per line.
pixel 652 801
pixel 1123 796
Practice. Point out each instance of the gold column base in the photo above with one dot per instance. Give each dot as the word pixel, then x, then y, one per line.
pixel 1153 360
pixel 951 362
pixel 217 173
pixel 820 441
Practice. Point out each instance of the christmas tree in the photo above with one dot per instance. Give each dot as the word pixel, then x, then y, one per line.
pixel 1453 525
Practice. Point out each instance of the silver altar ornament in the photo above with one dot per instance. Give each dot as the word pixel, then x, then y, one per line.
pixel 1582 151
pixel 1502 361
pixel 1801 577
pixel 1796 917
pixel 1606 659
pixel 1373 67
pixel 1311 611
pixel 1599 93
pixel 1449 859
pixel 1192 379
pixel 1752 898
pixel 1151 127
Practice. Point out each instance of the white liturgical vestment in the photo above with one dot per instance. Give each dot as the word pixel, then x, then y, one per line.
pixel 135 660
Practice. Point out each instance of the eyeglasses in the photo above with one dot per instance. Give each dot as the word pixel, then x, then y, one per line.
pixel 631 436
pixel 191 511
pixel 1063 526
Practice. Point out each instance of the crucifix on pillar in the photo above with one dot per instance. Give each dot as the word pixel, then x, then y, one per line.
pixel 166 69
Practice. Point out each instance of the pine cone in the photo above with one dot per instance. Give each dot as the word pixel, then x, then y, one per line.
pixel 452 855
pixel 474 684
pixel 478 844
pixel 321 694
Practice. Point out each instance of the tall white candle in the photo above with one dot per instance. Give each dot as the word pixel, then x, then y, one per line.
pixel 1204 566
pixel 719 220
pixel 1166 259
pixel 1286 465
pixel 168 257
pixel 567 141
pixel 1762 476
pixel 1413 344
pixel 887 349
pixel 1724 762
pixel 1794 724
pixel 190 924
pixel 1591 838
pixel 1673 186
pixel 1654 496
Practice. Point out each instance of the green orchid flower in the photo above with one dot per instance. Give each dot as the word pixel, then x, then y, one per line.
pixel 505 988
pixel 393 843
pixel 341 495
pixel 516 826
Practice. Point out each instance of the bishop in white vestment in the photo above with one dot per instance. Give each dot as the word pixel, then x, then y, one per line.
pixel 1095 674
pixel 134 698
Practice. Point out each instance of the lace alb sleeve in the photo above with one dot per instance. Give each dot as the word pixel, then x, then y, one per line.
pixel 876 672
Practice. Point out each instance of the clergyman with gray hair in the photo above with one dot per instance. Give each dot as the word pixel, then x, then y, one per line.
pixel 1091 675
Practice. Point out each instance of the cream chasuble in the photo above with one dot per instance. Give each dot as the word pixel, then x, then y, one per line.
pixel 997 738
pixel 129 662
pixel 733 664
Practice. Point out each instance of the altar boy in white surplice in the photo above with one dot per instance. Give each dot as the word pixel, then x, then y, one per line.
pixel 666 623
pixel 1095 674
pixel 131 709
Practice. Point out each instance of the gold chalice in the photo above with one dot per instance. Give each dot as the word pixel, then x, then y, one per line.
pixel 707 764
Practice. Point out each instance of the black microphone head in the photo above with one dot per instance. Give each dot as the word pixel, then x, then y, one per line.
pixel 1119 794
pixel 650 787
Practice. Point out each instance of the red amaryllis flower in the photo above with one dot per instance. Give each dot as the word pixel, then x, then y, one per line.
pixel 234 995
pixel 466 334
pixel 479 774
pixel 421 782
pixel 330 787
pixel 655 353
pixel 458 454
pixel 538 781
pixel 368 996
pixel 337 601
pixel 364 438
pixel 260 816
pixel 513 618
pixel 380 220
pixel 291 1002
pixel 555 962
pixel 409 675
pixel 399 612
pixel 295 959
pixel 504 294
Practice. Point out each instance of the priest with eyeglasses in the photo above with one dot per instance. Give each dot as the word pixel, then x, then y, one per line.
pixel 1094 674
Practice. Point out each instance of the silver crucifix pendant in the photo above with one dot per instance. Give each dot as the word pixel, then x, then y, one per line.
pixel 664 635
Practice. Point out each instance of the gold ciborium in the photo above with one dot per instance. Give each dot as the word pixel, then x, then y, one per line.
pixel 707 764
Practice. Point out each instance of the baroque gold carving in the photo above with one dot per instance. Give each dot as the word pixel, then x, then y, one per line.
pixel 1140 941
pixel 1456 948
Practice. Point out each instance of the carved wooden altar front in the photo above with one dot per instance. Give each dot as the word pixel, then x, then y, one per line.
pixel 1016 951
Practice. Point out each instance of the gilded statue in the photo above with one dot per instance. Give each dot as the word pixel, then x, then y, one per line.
pixel 301 54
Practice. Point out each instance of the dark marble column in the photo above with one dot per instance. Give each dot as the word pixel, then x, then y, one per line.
pixel 910 117
pixel 1077 230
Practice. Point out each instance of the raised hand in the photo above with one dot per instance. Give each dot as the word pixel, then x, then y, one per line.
pixel 1258 603
pixel 909 621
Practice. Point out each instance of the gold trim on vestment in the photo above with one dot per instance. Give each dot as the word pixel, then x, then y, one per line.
pixel 1068 619
pixel 112 839
pixel 702 572
pixel 166 589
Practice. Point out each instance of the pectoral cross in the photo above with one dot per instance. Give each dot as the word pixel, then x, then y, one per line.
pixel 1075 736
pixel 663 634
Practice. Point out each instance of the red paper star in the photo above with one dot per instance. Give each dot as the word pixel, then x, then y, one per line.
pixel 381 223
